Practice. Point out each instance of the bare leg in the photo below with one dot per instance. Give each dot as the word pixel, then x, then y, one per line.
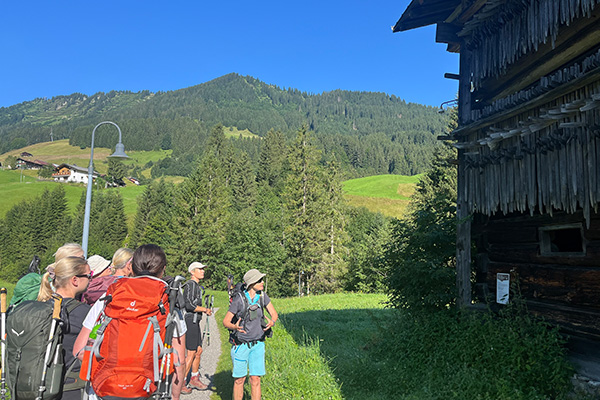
pixel 238 388
pixel 255 386
pixel 189 359
pixel 196 362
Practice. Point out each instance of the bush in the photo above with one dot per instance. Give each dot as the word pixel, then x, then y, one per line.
pixel 451 354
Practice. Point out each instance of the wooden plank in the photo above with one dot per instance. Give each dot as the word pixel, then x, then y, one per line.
pixel 571 42
pixel 532 104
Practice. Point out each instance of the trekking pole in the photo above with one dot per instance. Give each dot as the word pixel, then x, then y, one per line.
pixel 55 320
pixel 165 391
pixel 207 324
pixel 3 343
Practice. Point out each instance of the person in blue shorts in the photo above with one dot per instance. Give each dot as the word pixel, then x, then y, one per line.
pixel 248 353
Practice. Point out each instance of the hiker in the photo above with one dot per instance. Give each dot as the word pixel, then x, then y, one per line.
pixel 68 278
pixel 148 260
pixel 192 293
pixel 106 272
pixel 28 287
pixel 121 262
pixel 248 351
pixel 102 279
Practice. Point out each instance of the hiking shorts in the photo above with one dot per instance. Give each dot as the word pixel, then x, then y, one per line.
pixel 193 336
pixel 248 358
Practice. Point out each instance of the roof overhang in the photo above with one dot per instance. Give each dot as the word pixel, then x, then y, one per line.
pixel 425 12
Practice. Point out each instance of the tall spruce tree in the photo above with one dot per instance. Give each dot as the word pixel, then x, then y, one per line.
pixel 304 200
pixel 201 213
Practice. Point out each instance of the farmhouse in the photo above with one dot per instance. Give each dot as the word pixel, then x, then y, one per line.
pixel 29 164
pixel 71 173
pixel 528 149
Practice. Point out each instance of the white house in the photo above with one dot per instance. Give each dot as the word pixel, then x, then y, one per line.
pixel 71 173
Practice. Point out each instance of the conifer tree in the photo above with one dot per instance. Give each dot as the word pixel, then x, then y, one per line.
pixel 201 213
pixel 243 183
pixel 304 200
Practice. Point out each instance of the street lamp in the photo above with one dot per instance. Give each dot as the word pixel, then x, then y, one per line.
pixel 118 154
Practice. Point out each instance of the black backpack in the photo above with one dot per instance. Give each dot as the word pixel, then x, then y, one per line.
pixel 238 291
pixel 35 363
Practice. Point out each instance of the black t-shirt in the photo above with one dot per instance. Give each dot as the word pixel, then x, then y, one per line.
pixel 72 326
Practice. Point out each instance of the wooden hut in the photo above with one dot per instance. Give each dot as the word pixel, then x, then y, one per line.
pixel 528 148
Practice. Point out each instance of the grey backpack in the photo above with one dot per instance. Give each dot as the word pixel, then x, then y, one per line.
pixel 35 361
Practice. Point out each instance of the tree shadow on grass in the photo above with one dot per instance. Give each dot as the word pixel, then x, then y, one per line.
pixel 350 340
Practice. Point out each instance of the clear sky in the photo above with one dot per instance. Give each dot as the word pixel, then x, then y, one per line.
pixel 60 47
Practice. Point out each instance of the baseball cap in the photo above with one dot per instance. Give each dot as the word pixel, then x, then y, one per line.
pixel 195 265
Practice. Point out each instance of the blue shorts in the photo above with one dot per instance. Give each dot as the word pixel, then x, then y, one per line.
pixel 246 358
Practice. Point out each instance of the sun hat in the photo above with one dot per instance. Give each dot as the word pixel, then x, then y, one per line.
pixel 97 264
pixel 196 265
pixel 252 277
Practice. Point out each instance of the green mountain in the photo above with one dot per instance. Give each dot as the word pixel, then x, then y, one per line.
pixel 369 133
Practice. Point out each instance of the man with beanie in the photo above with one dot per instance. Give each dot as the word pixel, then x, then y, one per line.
pixel 192 293
pixel 248 356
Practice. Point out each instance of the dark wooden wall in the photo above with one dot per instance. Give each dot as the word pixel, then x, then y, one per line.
pixel 563 289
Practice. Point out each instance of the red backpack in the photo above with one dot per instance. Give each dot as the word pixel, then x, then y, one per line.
pixel 128 358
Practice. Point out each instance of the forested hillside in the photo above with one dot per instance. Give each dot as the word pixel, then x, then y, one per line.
pixel 367 133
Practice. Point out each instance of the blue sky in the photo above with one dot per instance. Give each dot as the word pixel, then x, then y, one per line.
pixel 58 47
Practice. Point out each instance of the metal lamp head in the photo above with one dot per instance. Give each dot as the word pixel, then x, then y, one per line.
pixel 119 153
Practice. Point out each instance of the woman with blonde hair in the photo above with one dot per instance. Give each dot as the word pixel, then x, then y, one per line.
pixel 69 277
pixel 28 287
pixel 121 265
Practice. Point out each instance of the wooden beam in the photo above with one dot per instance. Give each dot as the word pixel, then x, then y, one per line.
pixel 448 75
pixel 447 33
pixel 471 10
pixel 560 91
pixel 463 228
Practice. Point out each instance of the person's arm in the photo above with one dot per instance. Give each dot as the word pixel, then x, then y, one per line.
pixel 273 314
pixel 179 378
pixel 80 342
pixel 231 326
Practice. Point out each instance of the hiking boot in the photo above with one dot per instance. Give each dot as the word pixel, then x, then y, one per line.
pixel 195 382
pixel 186 390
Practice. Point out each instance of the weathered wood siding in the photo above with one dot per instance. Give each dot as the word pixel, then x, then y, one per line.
pixel 565 289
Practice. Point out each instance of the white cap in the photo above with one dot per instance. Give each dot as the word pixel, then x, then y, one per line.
pixel 196 265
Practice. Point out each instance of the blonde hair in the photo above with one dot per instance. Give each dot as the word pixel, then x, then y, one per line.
pixel 120 258
pixel 67 250
pixel 59 274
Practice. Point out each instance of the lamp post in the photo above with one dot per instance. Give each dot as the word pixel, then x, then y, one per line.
pixel 118 154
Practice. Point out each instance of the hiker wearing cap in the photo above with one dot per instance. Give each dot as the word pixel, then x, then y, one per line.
pixel 248 353
pixel 192 293
pixel 102 279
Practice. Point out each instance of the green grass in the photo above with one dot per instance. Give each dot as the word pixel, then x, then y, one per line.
pixel 10 287
pixel 14 192
pixel 396 187
pixel 387 194
pixel 233 132
pixel 315 348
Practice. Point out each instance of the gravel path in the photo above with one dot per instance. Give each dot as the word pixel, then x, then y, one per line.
pixel 209 360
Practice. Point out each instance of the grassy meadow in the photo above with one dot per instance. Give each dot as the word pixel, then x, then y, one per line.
pixel 387 194
pixel 14 191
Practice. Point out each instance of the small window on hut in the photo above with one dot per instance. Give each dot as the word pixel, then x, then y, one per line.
pixel 562 240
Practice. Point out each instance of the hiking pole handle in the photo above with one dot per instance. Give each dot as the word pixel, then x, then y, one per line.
pixel 3 390
pixel 3 305
pixel 57 307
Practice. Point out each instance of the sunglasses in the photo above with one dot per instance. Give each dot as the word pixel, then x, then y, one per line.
pixel 89 276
